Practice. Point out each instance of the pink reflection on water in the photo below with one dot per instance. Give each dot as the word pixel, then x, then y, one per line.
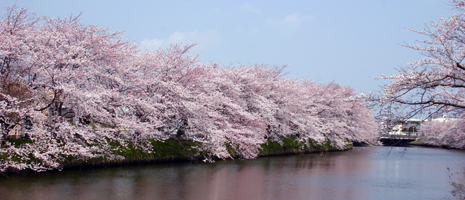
pixel 363 173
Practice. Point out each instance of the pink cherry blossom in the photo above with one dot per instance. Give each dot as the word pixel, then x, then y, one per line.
pixel 78 89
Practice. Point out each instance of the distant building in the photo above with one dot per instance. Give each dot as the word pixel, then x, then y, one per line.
pixel 414 125
pixel 15 132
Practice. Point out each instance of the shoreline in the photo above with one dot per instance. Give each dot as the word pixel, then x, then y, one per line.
pixel 173 151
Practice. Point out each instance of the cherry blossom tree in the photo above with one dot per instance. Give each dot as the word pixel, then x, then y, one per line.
pixel 78 64
pixel 64 69
pixel 241 108
pixel 434 84
pixel 17 30
pixel 321 112
pixel 449 133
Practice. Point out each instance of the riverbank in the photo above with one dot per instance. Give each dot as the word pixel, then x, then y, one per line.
pixel 421 144
pixel 170 150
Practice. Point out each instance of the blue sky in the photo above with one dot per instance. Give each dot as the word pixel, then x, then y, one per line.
pixel 347 42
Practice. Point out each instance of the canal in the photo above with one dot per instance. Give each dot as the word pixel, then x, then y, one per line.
pixel 360 173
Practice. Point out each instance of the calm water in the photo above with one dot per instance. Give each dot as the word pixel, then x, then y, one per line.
pixel 361 173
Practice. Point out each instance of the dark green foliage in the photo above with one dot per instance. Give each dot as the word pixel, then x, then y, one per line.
pixel 162 150
pixel 172 149
pixel 231 150
pixel 292 146
pixel 16 142
pixel 166 150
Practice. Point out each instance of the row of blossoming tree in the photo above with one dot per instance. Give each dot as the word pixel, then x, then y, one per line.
pixel 51 67
pixel 435 85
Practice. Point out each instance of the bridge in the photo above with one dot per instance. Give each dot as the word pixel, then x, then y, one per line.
pixel 398 138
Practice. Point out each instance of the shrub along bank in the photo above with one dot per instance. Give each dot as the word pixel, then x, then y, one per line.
pixel 170 150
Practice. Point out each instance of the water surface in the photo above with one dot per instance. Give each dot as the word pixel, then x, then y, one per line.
pixel 361 173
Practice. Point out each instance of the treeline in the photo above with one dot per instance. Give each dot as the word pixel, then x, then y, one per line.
pixel 80 92
pixel 449 133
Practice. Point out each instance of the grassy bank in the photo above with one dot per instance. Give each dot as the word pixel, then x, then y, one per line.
pixel 421 143
pixel 169 150
pixel 172 150
pixel 292 146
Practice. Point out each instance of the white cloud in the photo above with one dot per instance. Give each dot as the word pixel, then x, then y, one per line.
pixel 151 44
pixel 202 38
pixel 250 8
pixel 291 22
pixel 294 18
